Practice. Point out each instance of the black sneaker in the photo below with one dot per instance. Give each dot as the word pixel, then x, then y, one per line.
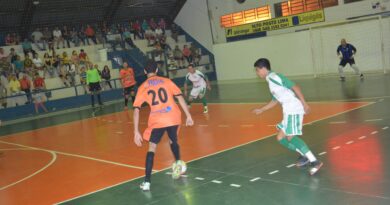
pixel 342 79
pixel 302 161
pixel 314 167
pixel 361 76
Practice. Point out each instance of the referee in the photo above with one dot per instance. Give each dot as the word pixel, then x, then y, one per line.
pixel 346 53
pixel 93 82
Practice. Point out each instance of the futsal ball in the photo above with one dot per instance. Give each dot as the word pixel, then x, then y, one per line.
pixel 178 168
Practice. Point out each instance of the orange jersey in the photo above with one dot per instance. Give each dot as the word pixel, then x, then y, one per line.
pixel 127 77
pixel 160 94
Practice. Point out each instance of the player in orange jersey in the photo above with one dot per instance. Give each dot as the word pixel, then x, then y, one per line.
pixel 165 116
pixel 128 83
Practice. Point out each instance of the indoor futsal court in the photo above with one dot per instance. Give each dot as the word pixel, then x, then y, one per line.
pixel 194 102
pixel 231 154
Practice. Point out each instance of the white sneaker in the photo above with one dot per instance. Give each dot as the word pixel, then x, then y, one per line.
pixel 205 109
pixel 145 186
pixel 178 168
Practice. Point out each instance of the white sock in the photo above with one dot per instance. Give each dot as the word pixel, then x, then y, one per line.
pixel 341 72
pixel 356 69
pixel 310 156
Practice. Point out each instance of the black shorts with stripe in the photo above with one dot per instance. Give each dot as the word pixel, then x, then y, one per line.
pixel 94 87
pixel 128 90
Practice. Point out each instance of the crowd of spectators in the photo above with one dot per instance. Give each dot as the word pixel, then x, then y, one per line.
pixel 22 74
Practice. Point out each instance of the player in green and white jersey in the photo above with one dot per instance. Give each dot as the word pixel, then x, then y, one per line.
pixel 294 106
pixel 200 84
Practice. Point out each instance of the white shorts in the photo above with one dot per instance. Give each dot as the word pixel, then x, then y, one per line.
pixel 291 124
pixel 198 92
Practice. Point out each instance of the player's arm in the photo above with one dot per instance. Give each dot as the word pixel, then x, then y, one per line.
pixel 299 94
pixel 338 52
pixel 183 105
pixel 353 51
pixel 137 135
pixel 266 107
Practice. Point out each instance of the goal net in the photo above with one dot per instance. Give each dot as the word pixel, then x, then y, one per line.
pixel 369 35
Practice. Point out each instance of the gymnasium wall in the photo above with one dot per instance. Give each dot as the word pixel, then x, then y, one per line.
pixel 193 18
pixel 307 52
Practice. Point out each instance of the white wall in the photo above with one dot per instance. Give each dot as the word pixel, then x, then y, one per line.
pixel 289 54
pixel 307 52
pixel 194 19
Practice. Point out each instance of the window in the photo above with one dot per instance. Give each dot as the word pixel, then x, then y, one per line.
pixel 351 1
pixel 247 16
pixel 299 6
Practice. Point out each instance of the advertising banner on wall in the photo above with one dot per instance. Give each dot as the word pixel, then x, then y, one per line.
pixel 252 29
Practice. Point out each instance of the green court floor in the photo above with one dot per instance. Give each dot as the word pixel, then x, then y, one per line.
pixel 356 168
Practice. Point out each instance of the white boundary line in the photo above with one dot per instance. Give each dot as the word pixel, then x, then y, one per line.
pixel 53 159
pixel 76 155
pixel 234 147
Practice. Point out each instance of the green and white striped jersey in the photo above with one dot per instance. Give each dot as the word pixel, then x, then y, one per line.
pixel 280 88
pixel 198 79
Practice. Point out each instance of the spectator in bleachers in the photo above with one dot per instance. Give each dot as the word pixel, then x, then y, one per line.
pixel 66 34
pixel 3 56
pixel 90 34
pixel 64 68
pixel 74 36
pixel 48 63
pixel 57 36
pixel 3 95
pixel 137 30
pixel 14 88
pixel 152 24
pixel 174 32
pixel 100 34
pixel 126 35
pixel 38 65
pixel 47 37
pixel 28 65
pixel 39 39
pixel 56 62
pixel 83 36
pixel 71 74
pixel 18 66
pixel 83 79
pixel 12 55
pixel 9 40
pixel 162 25
pixel 25 86
pixel 187 54
pixel 159 33
pixel 106 75
pixel 144 27
pixel 27 47
pixel 5 66
pixel 39 96
pixel 75 59
pixel 195 54
pixel 178 56
pixel 16 38
pixel 150 36
pixel 83 57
